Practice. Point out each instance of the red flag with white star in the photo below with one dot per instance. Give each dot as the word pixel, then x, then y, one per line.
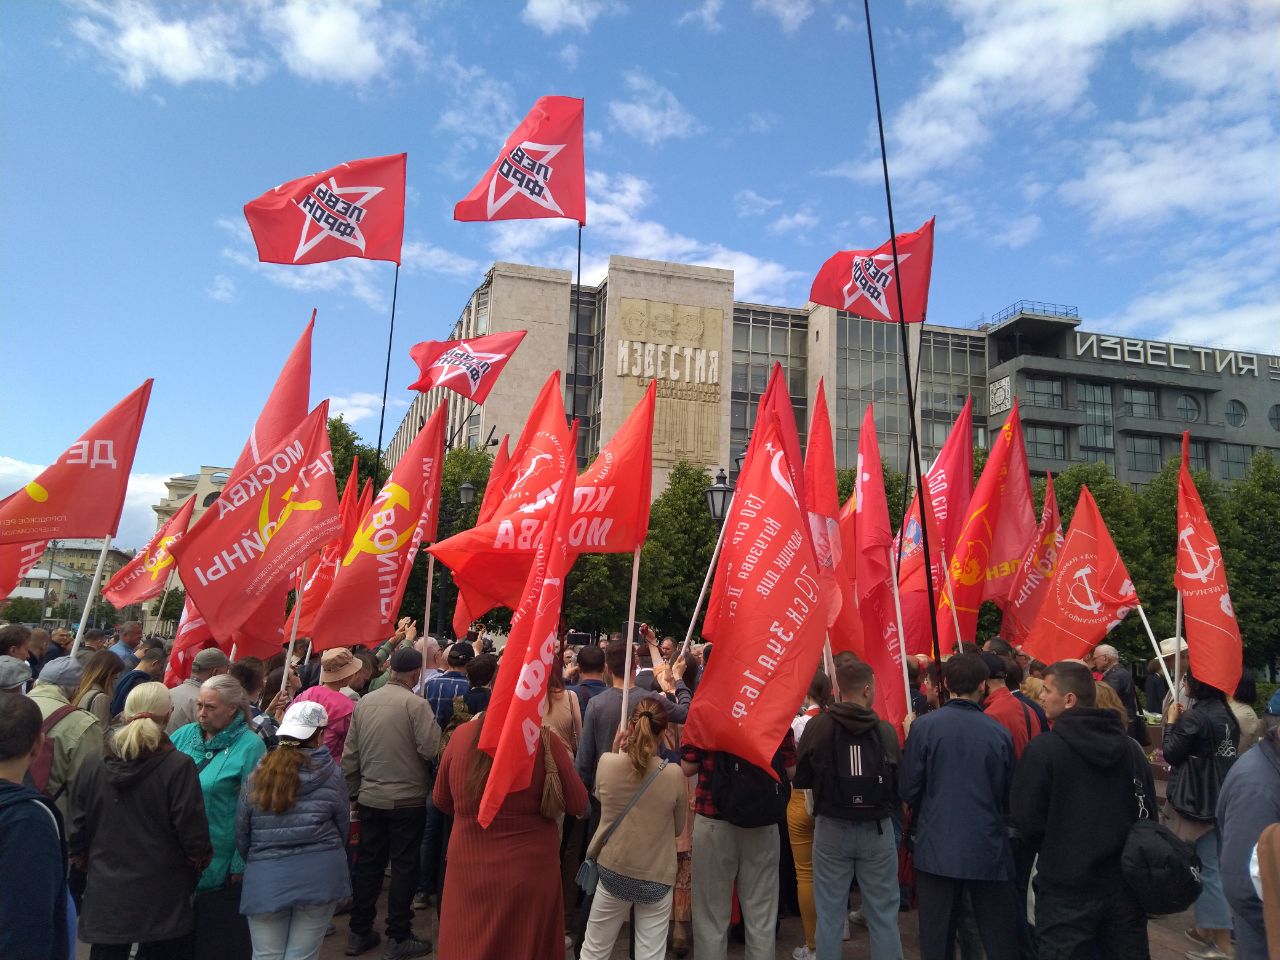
pixel 355 209
pixel 469 368
pixel 862 281
pixel 145 575
pixel 539 172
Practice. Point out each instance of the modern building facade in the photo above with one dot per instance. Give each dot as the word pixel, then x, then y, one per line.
pixel 1084 396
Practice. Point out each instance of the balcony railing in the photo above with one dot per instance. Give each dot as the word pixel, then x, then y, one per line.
pixel 1038 308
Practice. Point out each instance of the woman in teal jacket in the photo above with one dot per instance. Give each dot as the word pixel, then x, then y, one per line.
pixel 226 751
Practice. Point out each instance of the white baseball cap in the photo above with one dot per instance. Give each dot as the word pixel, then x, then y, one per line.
pixel 302 719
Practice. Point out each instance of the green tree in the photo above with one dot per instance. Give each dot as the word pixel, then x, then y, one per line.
pixel 676 553
pixel 172 605
pixel 894 490
pixel 346 446
pixel 22 610
pixel 1254 504
pixel 599 591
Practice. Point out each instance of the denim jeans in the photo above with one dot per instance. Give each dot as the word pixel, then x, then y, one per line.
pixel 1211 910
pixel 843 849
pixel 290 934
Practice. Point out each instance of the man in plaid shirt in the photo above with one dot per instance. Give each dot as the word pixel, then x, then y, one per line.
pixel 441 690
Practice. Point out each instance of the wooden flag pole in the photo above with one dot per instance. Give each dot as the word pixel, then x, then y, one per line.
pixel 293 633
pixel 1156 646
pixel 631 630
pixel 93 592
pixel 706 581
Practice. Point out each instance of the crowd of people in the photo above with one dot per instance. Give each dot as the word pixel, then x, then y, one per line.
pixel 236 814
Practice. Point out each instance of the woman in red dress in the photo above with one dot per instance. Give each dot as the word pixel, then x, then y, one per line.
pixel 502 895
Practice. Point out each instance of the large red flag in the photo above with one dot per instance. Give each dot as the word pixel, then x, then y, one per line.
pixel 1090 592
pixel 363 603
pixel 998 500
pixel 513 723
pixel 539 172
pixel 355 209
pixel 494 489
pixel 82 493
pixel 771 619
pixel 16 561
pixel 262 527
pixel 862 281
pixel 823 502
pixel 145 575
pixel 467 367
pixel 1017 529
pixel 873 578
pixel 1030 584
pixel 1213 636
pixel 191 637
pixel 847 633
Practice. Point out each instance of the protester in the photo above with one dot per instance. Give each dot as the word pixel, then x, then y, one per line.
pixel 292 824
pixel 800 818
pixel 1106 698
pixel 1005 709
pixel 480 673
pixel 151 662
pixel 128 636
pixel 849 758
pixel 249 673
pixel 1106 660
pixel 1241 706
pixel 210 662
pixel 15 641
pixel 272 704
pixel 956 769
pixel 521 846
pixel 1200 746
pixel 33 925
pixel 225 752
pixel 15 674
pixel 387 762
pixel 1073 803
pixel 562 713
pixel 590 675
pixel 336 668
pixel 37 644
pixel 75 735
pixel 60 643
pixel 441 689
pixel 1154 687
pixel 1248 804
pixel 138 824
pixel 1016 679
pixel 101 672
pixel 406 635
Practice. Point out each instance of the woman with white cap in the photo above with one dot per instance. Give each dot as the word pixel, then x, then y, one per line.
pixel 337 667
pixel 291 828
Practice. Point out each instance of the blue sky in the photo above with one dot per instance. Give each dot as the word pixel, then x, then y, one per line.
pixel 1122 157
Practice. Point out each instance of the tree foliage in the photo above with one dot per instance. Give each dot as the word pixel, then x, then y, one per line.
pixel 22 610
pixel 346 446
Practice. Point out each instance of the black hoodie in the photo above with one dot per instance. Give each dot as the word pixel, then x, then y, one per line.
pixel 1073 799
pixel 33 870
pixel 814 750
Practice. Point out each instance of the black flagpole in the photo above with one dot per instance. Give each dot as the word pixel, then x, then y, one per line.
pixel 575 302
pixel 386 377
pixel 906 353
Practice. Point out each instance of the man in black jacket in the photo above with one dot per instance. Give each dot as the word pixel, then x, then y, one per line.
pixel 1073 799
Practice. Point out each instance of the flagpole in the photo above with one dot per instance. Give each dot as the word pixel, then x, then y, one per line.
pixel 48 577
pixel 631 630
pixel 431 580
pixel 386 377
pixel 951 602
pixel 706 581
pixel 574 301
pixel 164 595
pixel 293 633
pixel 1155 646
pixel 902 639
pixel 465 421
pixel 93 590
pixel 829 665
pixel 1177 647
pixel 902 332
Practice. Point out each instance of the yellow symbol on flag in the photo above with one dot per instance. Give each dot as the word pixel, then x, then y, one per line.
pixel 267 527
pixel 162 558
pixel 36 492
pixel 380 539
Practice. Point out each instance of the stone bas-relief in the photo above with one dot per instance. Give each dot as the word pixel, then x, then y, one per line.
pixel 679 346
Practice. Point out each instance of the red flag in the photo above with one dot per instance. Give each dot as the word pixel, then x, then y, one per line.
pixel 1031 583
pixel 1213 636
pixel 847 633
pixel 771 620
pixel 1017 529
pixel 873 578
pixel 82 493
pixel 949 482
pixel 355 209
pixel 145 575
pixel 610 514
pixel 1090 592
pixel 824 510
pixel 997 497
pixel 467 367
pixel 262 527
pixel 513 726
pixel 16 561
pixel 539 172
pixel 191 637
pixel 363 603
pixel 861 281
pixel 494 489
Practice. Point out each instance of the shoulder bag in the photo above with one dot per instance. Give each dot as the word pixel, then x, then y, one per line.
pixel 589 873
pixel 1161 870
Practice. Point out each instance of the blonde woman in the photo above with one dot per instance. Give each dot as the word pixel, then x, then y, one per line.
pixel 101 671
pixel 138 824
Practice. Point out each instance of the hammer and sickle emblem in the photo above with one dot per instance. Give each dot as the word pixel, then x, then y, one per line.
pixel 379 539
pixel 1204 563
pixel 267 527
pixel 1082 575
pixel 162 558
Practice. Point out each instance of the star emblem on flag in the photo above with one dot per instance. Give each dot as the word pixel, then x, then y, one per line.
pixel 541 154
pixel 314 232
pixel 475 360
pixel 856 288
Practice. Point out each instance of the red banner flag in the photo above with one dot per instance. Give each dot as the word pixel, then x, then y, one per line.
pixel 540 171
pixel 82 493
pixel 1017 529
pixel 862 281
pixel 288 502
pixel 824 510
pixel 1090 592
pixel 847 633
pixel 145 575
pixel 467 367
pixel 355 209
pixel 191 637
pixel 363 604
pixel 16 561
pixel 1213 636
pixel 493 490
pixel 1031 583
pixel 513 726
pixel 771 620
pixel 949 482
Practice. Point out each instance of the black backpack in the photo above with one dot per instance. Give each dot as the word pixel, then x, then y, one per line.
pixel 859 780
pixel 747 796
pixel 1161 871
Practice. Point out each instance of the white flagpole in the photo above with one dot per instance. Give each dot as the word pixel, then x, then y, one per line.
pixel 706 581
pixel 631 620
pixel 93 592
pixel 829 665
pixel 168 585
pixel 293 634
pixel 902 637
pixel 307 658
pixel 1177 648
pixel 431 580
pixel 1155 646
pixel 951 601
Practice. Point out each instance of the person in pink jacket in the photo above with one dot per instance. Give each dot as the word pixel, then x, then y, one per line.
pixel 336 668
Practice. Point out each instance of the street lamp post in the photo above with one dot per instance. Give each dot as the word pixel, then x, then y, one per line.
pixel 718 497
pixel 466 497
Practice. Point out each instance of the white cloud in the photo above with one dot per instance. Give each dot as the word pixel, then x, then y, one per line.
pixel 222 289
pixel 481 111
pixel 706 14
pixel 1015 233
pixel 653 114
pixel 751 204
pixel 797 222
pixel 355 407
pixel 141 46
pixel 790 14
pixel 761 122
pixel 339 40
pixel 552 16
pixel 420 257
pixel 569 55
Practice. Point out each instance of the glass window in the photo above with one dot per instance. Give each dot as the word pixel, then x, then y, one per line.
pixel 1141 402
pixel 1198 455
pixel 1043 392
pixel 1096 434
pixel 1143 452
pixel 1046 443
pixel 1188 408
pixel 1273 416
pixel 1100 456
pixel 740 336
pixel 1236 413
pixel 1234 458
